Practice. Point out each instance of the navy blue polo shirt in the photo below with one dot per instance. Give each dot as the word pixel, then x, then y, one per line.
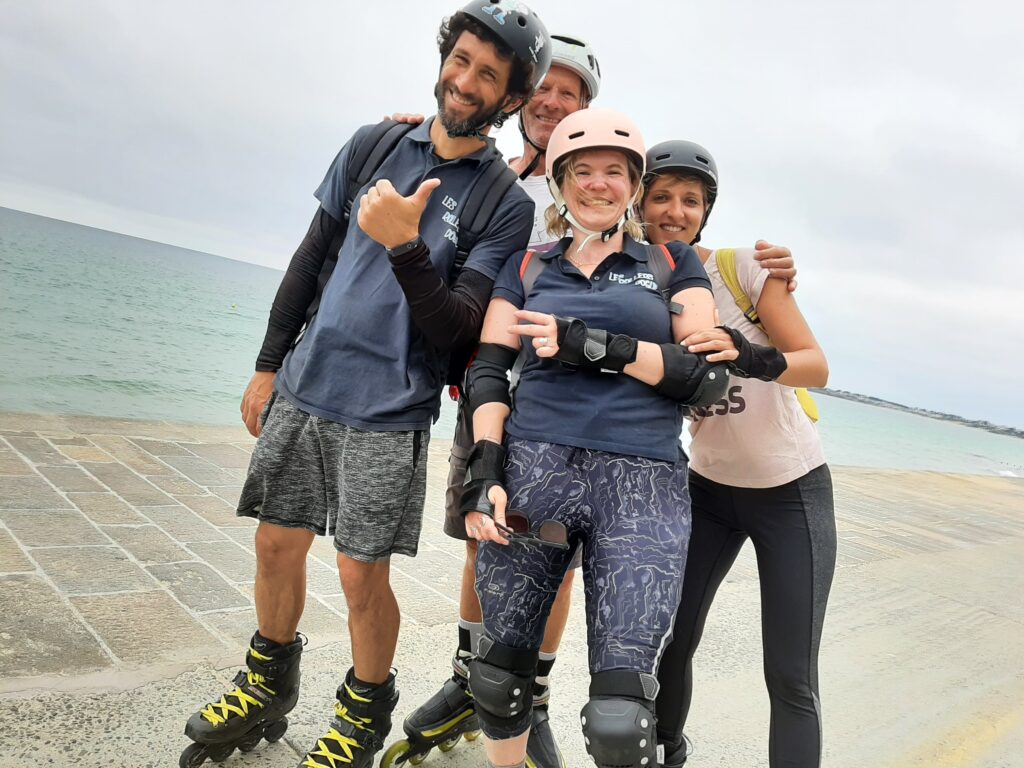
pixel 363 361
pixel 589 409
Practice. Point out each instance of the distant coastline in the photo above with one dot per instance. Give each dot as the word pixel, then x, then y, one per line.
pixel 988 426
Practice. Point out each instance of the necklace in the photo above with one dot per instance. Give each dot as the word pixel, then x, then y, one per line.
pixel 579 263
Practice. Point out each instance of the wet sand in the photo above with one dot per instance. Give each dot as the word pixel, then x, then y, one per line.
pixel 126 602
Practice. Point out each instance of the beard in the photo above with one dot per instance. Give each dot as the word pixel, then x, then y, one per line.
pixel 469 126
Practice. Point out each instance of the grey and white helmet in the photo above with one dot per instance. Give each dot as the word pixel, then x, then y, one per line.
pixel 576 55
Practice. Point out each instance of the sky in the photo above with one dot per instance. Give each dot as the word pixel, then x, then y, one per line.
pixel 883 142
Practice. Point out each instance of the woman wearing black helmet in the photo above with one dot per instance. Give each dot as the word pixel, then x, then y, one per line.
pixel 756 471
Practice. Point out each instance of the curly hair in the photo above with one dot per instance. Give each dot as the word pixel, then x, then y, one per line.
pixel 519 82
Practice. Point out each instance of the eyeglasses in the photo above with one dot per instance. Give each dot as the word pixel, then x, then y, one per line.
pixel 550 533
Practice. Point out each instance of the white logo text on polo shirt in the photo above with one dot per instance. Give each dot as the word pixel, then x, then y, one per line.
pixel 643 279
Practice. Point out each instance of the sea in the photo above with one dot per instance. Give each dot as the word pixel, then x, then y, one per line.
pixel 97 323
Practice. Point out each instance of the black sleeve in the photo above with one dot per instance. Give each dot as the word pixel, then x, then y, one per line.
pixel 298 289
pixel 450 318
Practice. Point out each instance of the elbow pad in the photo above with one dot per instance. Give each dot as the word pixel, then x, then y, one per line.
pixel 593 349
pixel 487 380
pixel 689 378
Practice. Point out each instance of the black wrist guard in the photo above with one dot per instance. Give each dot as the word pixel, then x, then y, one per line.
pixel 756 361
pixel 592 349
pixel 485 469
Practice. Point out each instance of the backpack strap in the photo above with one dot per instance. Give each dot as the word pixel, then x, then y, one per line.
pixel 482 201
pixel 725 258
pixel 369 155
pixel 662 265
pixel 366 159
pixel 529 270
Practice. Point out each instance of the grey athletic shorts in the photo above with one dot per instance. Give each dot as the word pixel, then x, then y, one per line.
pixel 455 523
pixel 365 488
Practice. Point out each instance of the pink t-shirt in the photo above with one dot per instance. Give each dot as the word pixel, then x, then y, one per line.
pixel 758 436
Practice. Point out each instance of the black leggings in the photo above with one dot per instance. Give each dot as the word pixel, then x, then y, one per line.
pixel 793 530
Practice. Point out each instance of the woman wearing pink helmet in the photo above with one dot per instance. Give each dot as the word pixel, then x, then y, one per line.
pixel 589 454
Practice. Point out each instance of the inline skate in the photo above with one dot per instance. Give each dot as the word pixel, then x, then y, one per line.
pixel 362 720
pixel 264 693
pixel 675 757
pixel 541 749
pixel 446 718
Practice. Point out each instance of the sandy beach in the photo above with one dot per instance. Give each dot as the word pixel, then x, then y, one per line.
pixel 126 602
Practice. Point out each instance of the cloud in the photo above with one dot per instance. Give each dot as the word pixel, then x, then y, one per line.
pixel 881 141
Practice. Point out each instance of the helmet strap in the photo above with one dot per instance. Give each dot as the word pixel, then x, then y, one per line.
pixel 591 234
pixel 539 149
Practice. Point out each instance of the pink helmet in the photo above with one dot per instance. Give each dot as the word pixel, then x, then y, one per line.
pixel 592 128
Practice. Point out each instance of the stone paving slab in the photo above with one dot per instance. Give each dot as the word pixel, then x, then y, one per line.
pixel 161 447
pixel 198 586
pixel 201 471
pixel 41 635
pixel 182 523
pixel 12 464
pixel 66 439
pixel 71 479
pixel 175 485
pixel 12 558
pixel 168 633
pixel 131 455
pixel 322 578
pixel 230 493
pixel 323 621
pixel 147 543
pixel 37 450
pixel 51 528
pixel 85 570
pixel 106 509
pixel 229 559
pixel 123 481
pixel 216 511
pixel 80 452
pixel 222 454
pixel 28 492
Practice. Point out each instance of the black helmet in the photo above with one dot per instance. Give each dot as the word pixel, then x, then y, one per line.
pixel 684 157
pixel 520 29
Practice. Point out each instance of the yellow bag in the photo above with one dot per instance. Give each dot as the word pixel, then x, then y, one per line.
pixel 726 260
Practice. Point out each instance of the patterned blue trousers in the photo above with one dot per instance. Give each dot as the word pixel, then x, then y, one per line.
pixel 632 517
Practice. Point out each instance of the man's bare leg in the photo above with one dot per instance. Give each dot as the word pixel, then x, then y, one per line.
pixel 280 590
pixel 373 616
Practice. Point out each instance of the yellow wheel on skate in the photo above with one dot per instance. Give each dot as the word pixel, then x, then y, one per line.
pixel 418 759
pixel 448 746
pixel 394 752
pixel 471 735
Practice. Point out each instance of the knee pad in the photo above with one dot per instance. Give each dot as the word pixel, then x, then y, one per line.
pixel 618 721
pixel 501 681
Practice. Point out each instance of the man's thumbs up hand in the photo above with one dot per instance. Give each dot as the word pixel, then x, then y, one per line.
pixel 391 219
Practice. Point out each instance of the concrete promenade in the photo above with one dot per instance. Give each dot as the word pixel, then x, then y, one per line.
pixel 126 602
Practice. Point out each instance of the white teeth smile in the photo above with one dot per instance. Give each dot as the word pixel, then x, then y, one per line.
pixel 459 99
pixel 672 228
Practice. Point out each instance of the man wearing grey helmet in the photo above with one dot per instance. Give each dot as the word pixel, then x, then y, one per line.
pixel 348 382
pixel 571 83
